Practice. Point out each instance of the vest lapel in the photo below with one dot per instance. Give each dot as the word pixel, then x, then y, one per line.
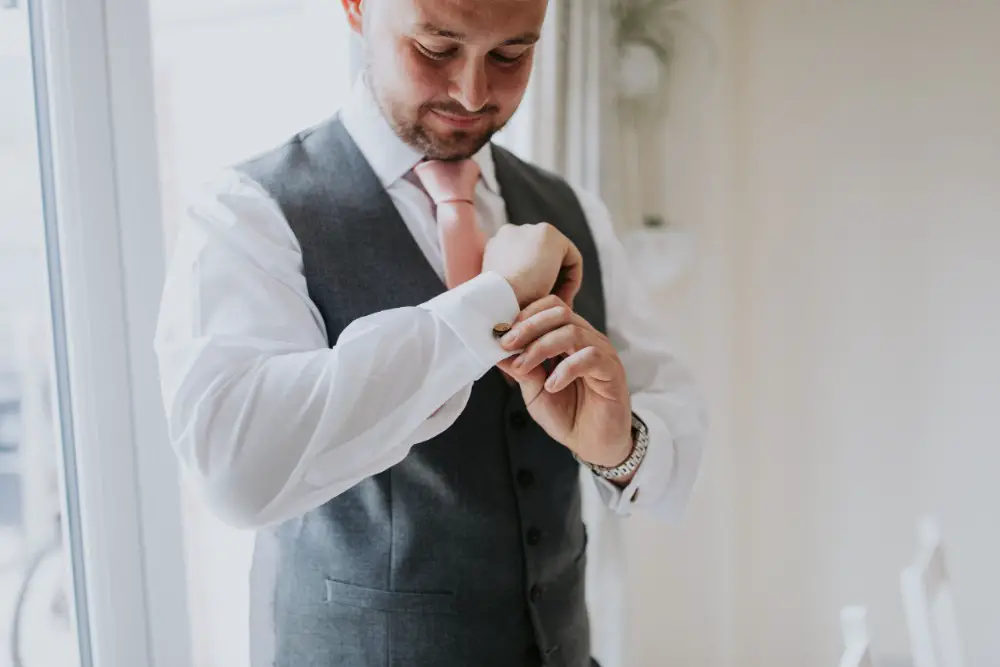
pixel 368 221
pixel 520 210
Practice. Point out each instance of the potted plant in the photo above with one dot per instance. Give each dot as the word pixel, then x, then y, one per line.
pixel 645 41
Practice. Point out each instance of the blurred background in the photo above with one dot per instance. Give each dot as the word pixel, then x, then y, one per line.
pixel 810 189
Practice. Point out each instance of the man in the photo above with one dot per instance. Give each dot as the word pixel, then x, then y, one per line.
pixel 340 371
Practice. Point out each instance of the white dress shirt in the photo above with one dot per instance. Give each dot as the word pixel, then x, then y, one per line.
pixel 270 422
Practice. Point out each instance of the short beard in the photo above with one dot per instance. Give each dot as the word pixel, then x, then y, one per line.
pixel 460 145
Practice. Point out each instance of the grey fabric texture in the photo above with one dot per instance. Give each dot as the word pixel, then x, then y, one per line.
pixel 472 550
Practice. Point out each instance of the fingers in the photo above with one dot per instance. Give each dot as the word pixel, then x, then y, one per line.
pixel 535 307
pixel 590 362
pixel 546 329
pixel 535 321
pixel 540 317
pixel 564 340
pixel 532 384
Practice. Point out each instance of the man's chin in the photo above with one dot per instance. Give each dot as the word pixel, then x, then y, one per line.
pixel 455 145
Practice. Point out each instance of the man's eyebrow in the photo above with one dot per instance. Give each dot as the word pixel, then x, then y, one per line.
pixel 431 29
pixel 525 38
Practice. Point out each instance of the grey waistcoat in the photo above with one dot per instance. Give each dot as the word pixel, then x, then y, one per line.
pixel 471 551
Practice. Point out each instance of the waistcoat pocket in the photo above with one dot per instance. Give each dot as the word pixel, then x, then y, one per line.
pixel 342 593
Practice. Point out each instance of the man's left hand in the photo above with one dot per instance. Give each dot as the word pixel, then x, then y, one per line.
pixel 584 402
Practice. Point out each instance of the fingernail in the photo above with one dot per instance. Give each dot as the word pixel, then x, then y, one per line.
pixel 551 383
pixel 509 338
pixel 518 362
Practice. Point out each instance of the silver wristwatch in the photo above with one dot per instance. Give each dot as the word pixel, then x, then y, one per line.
pixel 640 441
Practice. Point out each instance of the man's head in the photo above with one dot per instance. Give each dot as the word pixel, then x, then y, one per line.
pixel 447 74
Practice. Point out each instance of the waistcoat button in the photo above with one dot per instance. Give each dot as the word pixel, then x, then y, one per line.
pixel 525 478
pixel 534 536
pixel 518 419
pixel 535 594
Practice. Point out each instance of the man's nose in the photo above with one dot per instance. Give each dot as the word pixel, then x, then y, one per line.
pixel 471 88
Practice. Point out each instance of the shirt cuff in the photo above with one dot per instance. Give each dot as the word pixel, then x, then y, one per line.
pixel 473 308
pixel 649 485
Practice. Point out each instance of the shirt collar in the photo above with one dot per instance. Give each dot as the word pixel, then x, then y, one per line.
pixel 389 156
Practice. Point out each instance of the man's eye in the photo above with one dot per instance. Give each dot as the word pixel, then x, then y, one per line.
pixel 506 59
pixel 436 55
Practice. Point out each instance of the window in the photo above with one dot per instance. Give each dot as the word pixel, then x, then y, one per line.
pixel 38 526
pixel 234 78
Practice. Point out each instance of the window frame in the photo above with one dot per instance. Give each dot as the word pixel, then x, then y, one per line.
pixel 98 101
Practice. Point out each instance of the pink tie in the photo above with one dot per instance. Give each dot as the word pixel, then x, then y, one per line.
pixel 452 186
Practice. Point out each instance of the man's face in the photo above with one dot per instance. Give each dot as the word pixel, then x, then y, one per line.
pixel 448 74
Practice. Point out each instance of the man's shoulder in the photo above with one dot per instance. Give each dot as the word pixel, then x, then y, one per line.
pixel 299 149
pixel 306 161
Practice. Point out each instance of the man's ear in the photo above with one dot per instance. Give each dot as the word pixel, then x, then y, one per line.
pixel 354 10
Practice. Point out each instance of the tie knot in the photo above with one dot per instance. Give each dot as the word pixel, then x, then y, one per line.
pixel 447 182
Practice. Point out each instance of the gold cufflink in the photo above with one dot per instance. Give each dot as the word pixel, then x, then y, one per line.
pixel 500 329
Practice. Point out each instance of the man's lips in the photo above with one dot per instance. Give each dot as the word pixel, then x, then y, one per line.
pixel 459 121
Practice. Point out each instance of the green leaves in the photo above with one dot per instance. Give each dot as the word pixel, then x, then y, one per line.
pixel 647 22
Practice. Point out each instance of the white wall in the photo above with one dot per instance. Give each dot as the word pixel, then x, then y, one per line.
pixel 863 260
pixel 868 277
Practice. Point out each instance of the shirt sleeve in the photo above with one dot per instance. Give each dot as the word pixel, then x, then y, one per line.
pixel 267 419
pixel 664 394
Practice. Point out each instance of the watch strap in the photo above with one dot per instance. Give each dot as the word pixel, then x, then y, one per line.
pixel 640 443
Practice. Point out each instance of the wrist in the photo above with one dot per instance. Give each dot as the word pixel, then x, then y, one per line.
pixel 623 473
pixel 612 457
pixel 519 292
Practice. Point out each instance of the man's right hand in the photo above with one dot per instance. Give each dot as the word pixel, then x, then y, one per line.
pixel 537 260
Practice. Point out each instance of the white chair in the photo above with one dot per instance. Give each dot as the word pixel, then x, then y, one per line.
pixel 857 639
pixel 929 604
